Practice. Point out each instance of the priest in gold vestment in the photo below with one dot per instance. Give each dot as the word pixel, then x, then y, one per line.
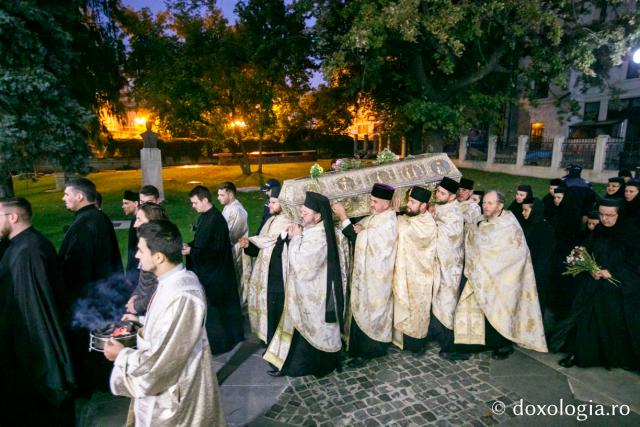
pixel 470 209
pixel 170 375
pixel 308 338
pixel 370 314
pixel 262 273
pixel 499 302
pixel 449 260
pixel 415 273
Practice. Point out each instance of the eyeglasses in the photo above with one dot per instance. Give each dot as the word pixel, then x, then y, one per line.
pixel 608 215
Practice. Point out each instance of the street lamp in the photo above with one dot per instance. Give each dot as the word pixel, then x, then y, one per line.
pixel 238 124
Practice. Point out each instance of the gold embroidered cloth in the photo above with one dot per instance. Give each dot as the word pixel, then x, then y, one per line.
pixel 371 280
pixel 501 286
pixel 256 273
pixel 414 276
pixel 305 273
pixel 449 259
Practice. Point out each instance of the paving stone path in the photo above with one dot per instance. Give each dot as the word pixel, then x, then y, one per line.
pixel 390 391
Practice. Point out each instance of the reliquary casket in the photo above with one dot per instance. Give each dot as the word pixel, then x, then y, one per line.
pixel 352 187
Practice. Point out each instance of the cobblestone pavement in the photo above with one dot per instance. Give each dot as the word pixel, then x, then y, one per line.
pixel 398 389
pixel 403 390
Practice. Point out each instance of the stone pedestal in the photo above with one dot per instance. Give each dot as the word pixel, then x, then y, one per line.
pixel 151 165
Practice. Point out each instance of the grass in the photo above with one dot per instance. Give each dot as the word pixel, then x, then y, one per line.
pixel 50 216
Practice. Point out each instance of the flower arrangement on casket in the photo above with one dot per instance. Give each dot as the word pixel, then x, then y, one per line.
pixel 581 261
pixel 352 186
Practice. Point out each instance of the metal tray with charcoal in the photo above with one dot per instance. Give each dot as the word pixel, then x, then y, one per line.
pixel 125 332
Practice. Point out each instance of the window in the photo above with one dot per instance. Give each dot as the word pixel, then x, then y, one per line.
pixel 591 111
pixel 536 134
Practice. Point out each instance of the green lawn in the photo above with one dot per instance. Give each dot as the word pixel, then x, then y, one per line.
pixel 50 216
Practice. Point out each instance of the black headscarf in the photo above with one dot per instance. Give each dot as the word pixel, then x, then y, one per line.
pixel 334 307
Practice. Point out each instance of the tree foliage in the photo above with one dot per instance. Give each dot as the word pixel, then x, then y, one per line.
pixel 58 62
pixel 198 73
pixel 444 64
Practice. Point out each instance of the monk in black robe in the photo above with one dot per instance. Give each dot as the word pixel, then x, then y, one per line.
pixel 37 375
pixel 130 202
pixel 541 241
pixel 566 222
pixel 209 256
pixel 523 191
pixel 632 200
pixel 547 200
pixel 615 188
pixel 89 257
pixel 602 328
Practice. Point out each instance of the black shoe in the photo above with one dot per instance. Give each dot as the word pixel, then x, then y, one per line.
pixel 502 353
pixel 275 373
pixel 568 361
pixel 356 362
pixel 453 356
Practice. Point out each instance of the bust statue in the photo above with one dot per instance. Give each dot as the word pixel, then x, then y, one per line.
pixel 149 138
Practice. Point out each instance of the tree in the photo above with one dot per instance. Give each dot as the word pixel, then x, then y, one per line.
pixel 442 65
pixel 201 76
pixel 58 62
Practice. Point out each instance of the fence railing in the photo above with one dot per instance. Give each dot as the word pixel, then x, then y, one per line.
pixel 579 151
pixel 477 150
pixel 628 154
pixel 506 152
pixel 539 152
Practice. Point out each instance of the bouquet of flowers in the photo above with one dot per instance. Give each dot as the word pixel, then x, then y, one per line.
pixel 314 173
pixel 386 156
pixel 581 261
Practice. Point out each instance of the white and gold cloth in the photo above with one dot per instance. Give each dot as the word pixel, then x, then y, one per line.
pixel 256 273
pixel 374 256
pixel 305 271
pixel 450 260
pixel 236 217
pixel 470 212
pixel 170 376
pixel 500 285
pixel 414 276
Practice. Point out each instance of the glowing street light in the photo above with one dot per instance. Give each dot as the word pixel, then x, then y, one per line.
pixel 238 124
pixel 636 56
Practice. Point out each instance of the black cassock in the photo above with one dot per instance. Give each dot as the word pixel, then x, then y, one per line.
pixel 37 375
pixel 516 210
pixel 211 260
pixel 131 269
pixel 602 328
pixel 566 222
pixel 541 240
pixel 89 255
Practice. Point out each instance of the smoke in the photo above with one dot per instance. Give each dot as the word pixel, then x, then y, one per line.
pixel 104 303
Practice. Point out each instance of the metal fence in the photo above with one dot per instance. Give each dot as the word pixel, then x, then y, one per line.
pixel 623 155
pixel 477 150
pixel 452 149
pixel 579 151
pixel 615 147
pixel 506 152
pixel 539 152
